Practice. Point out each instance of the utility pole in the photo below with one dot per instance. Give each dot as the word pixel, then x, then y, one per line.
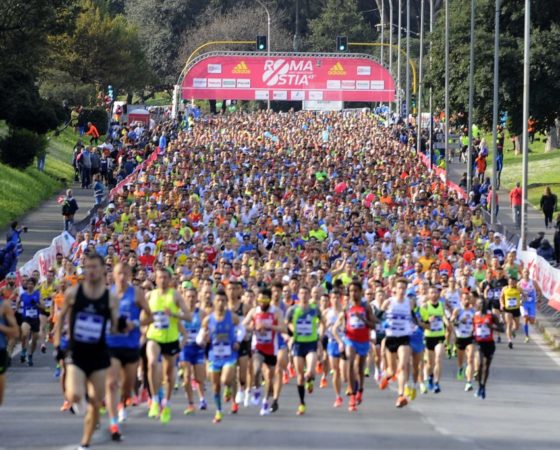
pixel 525 142
pixel 421 80
pixel 296 34
pixel 399 85
pixel 391 45
pixel 471 97
pixel 446 131
pixel 408 109
pixel 382 12
pixel 431 125
pixel 495 110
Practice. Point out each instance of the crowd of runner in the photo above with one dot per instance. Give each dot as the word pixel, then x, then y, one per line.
pixel 264 247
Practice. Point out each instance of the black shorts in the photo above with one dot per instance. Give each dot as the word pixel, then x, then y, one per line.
pixel 392 343
pixel 269 360
pixel 89 362
pixel 487 348
pixel 495 304
pixel 324 342
pixel 3 360
pixel 125 355
pixel 244 349
pixel 169 348
pixel 514 312
pixel 463 343
pixel 34 323
pixel 302 349
pixel 45 313
pixel 432 342
pixel 19 318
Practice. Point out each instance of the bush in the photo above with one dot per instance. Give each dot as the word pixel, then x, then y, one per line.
pixel 20 147
pixel 97 116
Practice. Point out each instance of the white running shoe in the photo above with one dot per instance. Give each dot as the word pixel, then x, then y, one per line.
pixel 239 397
pixel 256 397
pixel 265 410
pixel 123 415
pixel 246 398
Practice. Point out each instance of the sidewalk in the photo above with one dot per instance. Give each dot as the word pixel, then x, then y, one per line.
pixel 535 219
pixel 46 222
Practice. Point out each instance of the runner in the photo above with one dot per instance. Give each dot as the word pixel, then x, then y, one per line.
pixel 510 302
pixel 282 357
pixel 463 319
pixel 335 345
pixel 8 329
pixel 224 332
pixel 493 285
pixel 435 323
pixel 303 322
pixel 47 290
pixel 10 293
pixel 124 348
pixel 398 315
pixel 358 319
pixel 417 348
pixel 452 296
pixel 30 304
pixel 529 306
pixel 90 308
pixel 192 358
pixel 266 323
pixel 167 308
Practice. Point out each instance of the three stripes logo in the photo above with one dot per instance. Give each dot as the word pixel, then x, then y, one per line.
pixel 241 68
pixel 337 69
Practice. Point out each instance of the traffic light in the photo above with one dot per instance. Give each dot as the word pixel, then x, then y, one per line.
pixel 261 44
pixel 341 43
pixel 110 92
pixel 413 101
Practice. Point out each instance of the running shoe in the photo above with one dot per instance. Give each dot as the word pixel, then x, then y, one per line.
pixel 527 339
pixel 338 402
pixel 122 415
pixel 352 403
pixel 309 386
pixel 227 394
pixel 423 388
pixel 102 410
pixel 23 356
pixel 406 391
pixel 239 396
pixel 285 378
pixel 83 447
pixel 165 415
pixel 30 360
pixel 499 340
pixel 57 371
pixel 301 410
pixel 133 401
pixel 412 395
pixel 319 367
pixel 323 384
pixel 189 410
pixel 384 383
pixel 43 348
pixel 234 408
pixel 274 407
pixel 460 374
pixel 202 404
pixel 218 417
pixel 510 345
pixel 153 412
pixel 144 396
pixel 401 401
pixel 291 371
pixel 468 386
pixel 115 433
pixel 437 388
pixel 247 398
pixel 431 382
pixel 477 393
pixel 366 372
pixel 265 411
pixel 483 392
pixel 359 397
pixel 65 406
pixel 256 397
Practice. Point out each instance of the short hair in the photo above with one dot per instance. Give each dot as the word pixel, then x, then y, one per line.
pixel 91 256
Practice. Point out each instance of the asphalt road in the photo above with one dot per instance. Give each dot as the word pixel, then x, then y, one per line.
pixel 521 412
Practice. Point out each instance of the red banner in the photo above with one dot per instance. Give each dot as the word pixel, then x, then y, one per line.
pixel 289 78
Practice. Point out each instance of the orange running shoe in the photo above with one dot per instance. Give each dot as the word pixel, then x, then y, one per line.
pixel 352 403
pixel 383 383
pixel 291 371
pixel 286 378
pixel 234 408
pixel 319 367
pixel 323 383
pixel 359 397
pixel 337 402
pixel 401 401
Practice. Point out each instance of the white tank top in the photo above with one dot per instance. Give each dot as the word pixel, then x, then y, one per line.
pixel 331 317
pixel 399 318
pixel 453 299
pixel 464 330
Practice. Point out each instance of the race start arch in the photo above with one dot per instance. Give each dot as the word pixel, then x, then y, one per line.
pixel 287 77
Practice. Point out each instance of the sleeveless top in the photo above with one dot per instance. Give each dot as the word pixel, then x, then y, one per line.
pixel 222 336
pixel 128 309
pixel 398 318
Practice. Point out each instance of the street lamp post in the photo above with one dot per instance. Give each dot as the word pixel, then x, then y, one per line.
pixel 391 44
pixel 493 211
pixel 399 87
pixel 446 131
pixel 408 110
pixel 471 96
pixel 431 125
pixel 525 140
pixel 267 40
pixel 421 80
pixel 382 13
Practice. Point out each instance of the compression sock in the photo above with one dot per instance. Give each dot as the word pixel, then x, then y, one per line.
pixel 301 392
pixel 218 401
pixel 526 329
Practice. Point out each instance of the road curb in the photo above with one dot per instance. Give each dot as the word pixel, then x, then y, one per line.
pixel 549 331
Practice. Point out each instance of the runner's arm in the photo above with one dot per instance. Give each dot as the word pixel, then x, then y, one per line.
pixel 69 297
pixel 10 329
pixel 142 302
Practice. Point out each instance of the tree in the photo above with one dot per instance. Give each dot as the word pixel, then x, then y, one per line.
pixel 338 17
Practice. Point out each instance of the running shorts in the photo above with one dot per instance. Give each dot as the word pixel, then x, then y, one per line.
pixel 89 362
pixel 333 350
pixel 34 323
pixel 3 360
pixel 529 309
pixel 516 312
pixel 269 360
pixel 217 365
pixel 392 343
pixel 302 349
pixel 432 342
pixel 194 355
pixel 169 348
pixel 125 355
pixel 487 348
pixel 417 343
pixel 244 348
pixel 362 348
pixel 463 343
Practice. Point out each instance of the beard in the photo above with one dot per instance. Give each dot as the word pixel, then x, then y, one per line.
pixel 265 307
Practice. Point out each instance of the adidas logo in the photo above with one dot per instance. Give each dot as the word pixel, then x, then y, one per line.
pixel 337 69
pixel 241 68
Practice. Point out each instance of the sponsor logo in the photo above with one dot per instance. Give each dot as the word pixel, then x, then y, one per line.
pixel 281 72
pixel 364 70
pixel 214 68
pixel 337 69
pixel 241 68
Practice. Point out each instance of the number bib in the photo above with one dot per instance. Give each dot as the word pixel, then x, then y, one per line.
pixel 161 320
pixel 304 327
pixel 88 328
pixel 436 324
pixel 221 350
pixel 356 321
pixel 482 331
pixel 31 313
pixel 191 337
pixel 48 303
pixel 512 302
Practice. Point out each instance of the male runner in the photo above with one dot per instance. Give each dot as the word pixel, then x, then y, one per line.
pixel 510 302
pixel 8 329
pixel 30 305
pixel 124 348
pixel 167 308
pixel 462 317
pixel 91 307
pixel 282 355
pixel 240 391
pixel 335 346
pixel 303 321
pixel 47 289
pixel 529 306
pixel 223 330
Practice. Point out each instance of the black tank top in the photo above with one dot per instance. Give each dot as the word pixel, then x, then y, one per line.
pixel 88 322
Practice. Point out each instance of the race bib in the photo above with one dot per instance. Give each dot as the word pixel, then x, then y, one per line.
pixel 88 328
pixel 191 336
pixel 161 320
pixel 222 350
pixel 31 313
pixel 356 321
pixel 482 331
pixel 48 303
pixel 304 328
pixel 512 302
pixel 436 324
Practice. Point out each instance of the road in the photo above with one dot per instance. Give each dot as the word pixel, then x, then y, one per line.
pixel 520 412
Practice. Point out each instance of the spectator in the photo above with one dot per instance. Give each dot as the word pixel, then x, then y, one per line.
pixel 515 200
pixel 557 246
pixel 14 235
pixel 531 128
pixel 548 206
pixel 98 189
pixel 546 251
pixel 75 163
pixel 69 208
pixel 84 160
pixel 536 243
pixel 93 133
